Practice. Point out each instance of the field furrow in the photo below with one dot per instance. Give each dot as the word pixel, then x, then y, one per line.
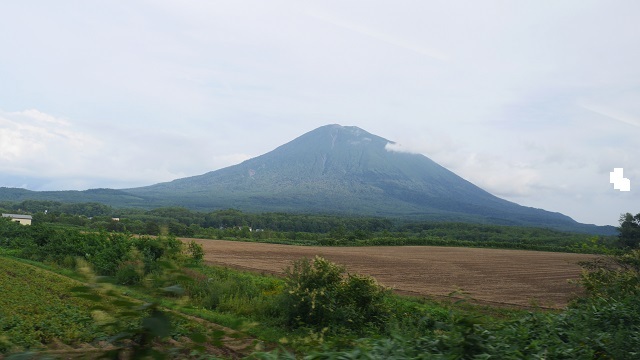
pixel 515 277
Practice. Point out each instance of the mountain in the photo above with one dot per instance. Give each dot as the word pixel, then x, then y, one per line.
pixel 333 169
pixel 116 198
pixel 343 169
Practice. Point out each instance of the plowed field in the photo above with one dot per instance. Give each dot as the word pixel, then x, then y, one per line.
pixel 493 276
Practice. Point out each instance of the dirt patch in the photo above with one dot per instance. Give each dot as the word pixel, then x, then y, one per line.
pixel 514 277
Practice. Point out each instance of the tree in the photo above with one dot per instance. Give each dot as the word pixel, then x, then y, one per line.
pixel 629 230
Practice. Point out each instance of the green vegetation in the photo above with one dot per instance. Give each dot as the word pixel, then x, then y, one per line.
pixel 110 254
pixel 630 230
pixel 36 307
pixel 603 325
pixel 320 230
pixel 319 295
pixel 41 309
pixel 316 310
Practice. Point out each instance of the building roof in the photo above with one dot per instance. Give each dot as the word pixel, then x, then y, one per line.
pixel 17 216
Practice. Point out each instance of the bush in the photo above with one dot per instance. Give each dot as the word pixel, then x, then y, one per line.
pixel 132 270
pixel 128 273
pixel 196 252
pixel 319 295
pixel 609 318
pixel 613 276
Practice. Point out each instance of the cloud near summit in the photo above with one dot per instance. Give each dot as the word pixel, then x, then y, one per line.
pixel 396 147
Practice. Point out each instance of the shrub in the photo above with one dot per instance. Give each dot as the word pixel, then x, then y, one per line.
pixel 196 252
pixel 130 272
pixel 319 295
pixel 613 276
pixel 608 320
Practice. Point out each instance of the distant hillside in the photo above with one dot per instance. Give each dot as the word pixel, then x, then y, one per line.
pixel 332 170
pixel 117 198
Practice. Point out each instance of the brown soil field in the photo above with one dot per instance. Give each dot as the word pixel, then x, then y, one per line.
pixel 492 276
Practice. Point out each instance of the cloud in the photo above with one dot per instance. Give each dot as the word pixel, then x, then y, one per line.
pixel 395 147
pixel 614 114
pixel 39 116
pixel 498 175
pixel 36 143
pixel 495 173
pixel 29 135
pixel 41 151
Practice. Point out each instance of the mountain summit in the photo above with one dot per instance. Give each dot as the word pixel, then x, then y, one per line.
pixel 344 169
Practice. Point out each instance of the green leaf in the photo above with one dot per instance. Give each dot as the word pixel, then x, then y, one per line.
pixel 123 303
pixel 80 289
pixel 198 349
pixel 217 334
pixel 158 325
pixel 198 337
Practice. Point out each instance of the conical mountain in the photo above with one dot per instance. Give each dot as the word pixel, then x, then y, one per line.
pixel 344 169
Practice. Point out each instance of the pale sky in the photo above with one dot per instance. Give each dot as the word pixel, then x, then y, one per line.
pixel 534 101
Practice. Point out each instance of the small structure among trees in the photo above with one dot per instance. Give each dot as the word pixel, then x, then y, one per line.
pixel 22 219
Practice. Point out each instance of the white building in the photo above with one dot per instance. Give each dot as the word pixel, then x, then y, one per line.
pixel 22 219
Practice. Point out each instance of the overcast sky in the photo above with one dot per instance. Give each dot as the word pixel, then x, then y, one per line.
pixel 534 101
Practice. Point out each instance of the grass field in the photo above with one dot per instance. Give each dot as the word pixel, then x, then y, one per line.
pixel 41 311
pixel 37 309
pixel 492 276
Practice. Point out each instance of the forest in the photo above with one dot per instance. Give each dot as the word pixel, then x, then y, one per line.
pixel 307 229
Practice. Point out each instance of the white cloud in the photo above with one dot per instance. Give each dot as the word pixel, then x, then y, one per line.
pixel 36 143
pixel 43 152
pixel 395 147
pixel 34 114
pixel 613 114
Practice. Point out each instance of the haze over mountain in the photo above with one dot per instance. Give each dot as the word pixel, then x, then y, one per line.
pixel 332 169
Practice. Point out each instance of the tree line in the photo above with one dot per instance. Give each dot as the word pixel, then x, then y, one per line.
pixel 320 229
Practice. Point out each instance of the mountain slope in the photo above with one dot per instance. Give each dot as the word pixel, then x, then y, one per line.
pixel 117 198
pixel 336 169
